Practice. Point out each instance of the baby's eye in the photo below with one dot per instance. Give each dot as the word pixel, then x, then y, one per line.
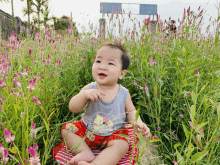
pixel 111 63
pixel 98 61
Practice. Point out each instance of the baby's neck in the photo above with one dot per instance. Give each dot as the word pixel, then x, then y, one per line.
pixel 107 88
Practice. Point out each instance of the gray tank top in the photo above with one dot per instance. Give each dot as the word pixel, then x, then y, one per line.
pixel 103 118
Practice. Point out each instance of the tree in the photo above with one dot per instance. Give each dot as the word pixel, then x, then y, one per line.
pixel 28 10
pixel 12 8
pixel 46 15
pixel 63 24
pixel 4 1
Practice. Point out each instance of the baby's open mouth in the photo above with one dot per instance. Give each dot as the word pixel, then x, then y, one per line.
pixel 101 75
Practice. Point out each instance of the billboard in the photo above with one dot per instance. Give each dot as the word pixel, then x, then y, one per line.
pixel 107 7
pixel 148 9
pixel 144 9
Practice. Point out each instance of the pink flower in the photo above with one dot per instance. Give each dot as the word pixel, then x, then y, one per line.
pixel 154 137
pixel 24 74
pixel 158 128
pixel 1 150
pixel 141 87
pixel 197 72
pixel 181 116
pixel 188 92
pixel 32 125
pixel 25 160
pixel 135 83
pixel 32 151
pixel 35 146
pixel 5 156
pixel 152 62
pixel 146 89
pixel 22 115
pixel 135 59
pixel 52 74
pixel 182 67
pixel 159 80
pixel 17 83
pixel 31 85
pixel 2 100
pixel 36 101
pixel 34 159
pixel 29 52
pixel 2 84
pixel 8 136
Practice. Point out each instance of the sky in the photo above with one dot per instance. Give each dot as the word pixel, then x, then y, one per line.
pixel 85 11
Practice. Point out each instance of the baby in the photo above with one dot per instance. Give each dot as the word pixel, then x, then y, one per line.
pixel 110 107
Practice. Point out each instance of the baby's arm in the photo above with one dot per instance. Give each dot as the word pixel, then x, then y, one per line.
pixel 78 102
pixel 131 111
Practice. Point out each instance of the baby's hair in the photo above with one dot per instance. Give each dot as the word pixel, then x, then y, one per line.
pixel 117 45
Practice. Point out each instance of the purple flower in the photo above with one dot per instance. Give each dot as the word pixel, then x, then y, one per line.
pixel 158 128
pixel 32 151
pixel 25 160
pixel 154 137
pixel 8 137
pixel 197 72
pixel 35 146
pixel 141 87
pixel 36 101
pixel 2 84
pixel 146 89
pixel 2 100
pixel 135 83
pixel 135 59
pixel 33 125
pixel 159 80
pixel 29 52
pixel 17 83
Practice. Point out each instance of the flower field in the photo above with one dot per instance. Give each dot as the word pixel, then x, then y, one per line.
pixel 173 81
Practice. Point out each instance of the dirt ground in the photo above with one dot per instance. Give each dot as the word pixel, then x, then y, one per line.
pixel 150 156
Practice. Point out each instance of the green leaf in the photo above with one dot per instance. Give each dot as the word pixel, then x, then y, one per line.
pixel 217 71
pixel 180 159
pixel 218 112
pixel 171 120
pixel 194 97
pixel 185 131
pixel 184 51
pixel 199 128
pixel 192 112
pixel 199 156
pixel 154 140
pixel 141 102
pixel 190 150
pixel 125 136
pixel 177 145
pixel 203 88
pixel 141 138
pixel 137 114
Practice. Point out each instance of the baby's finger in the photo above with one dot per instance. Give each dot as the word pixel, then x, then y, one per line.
pixel 100 96
pixel 102 93
pixel 93 98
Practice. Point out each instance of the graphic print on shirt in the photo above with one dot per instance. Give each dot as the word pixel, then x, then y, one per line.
pixel 102 123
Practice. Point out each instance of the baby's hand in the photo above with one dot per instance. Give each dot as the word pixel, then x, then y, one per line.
pixel 143 129
pixel 94 95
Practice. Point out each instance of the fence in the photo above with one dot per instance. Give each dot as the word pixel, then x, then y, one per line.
pixel 9 24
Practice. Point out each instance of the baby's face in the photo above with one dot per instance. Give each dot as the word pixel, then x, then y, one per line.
pixel 106 69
